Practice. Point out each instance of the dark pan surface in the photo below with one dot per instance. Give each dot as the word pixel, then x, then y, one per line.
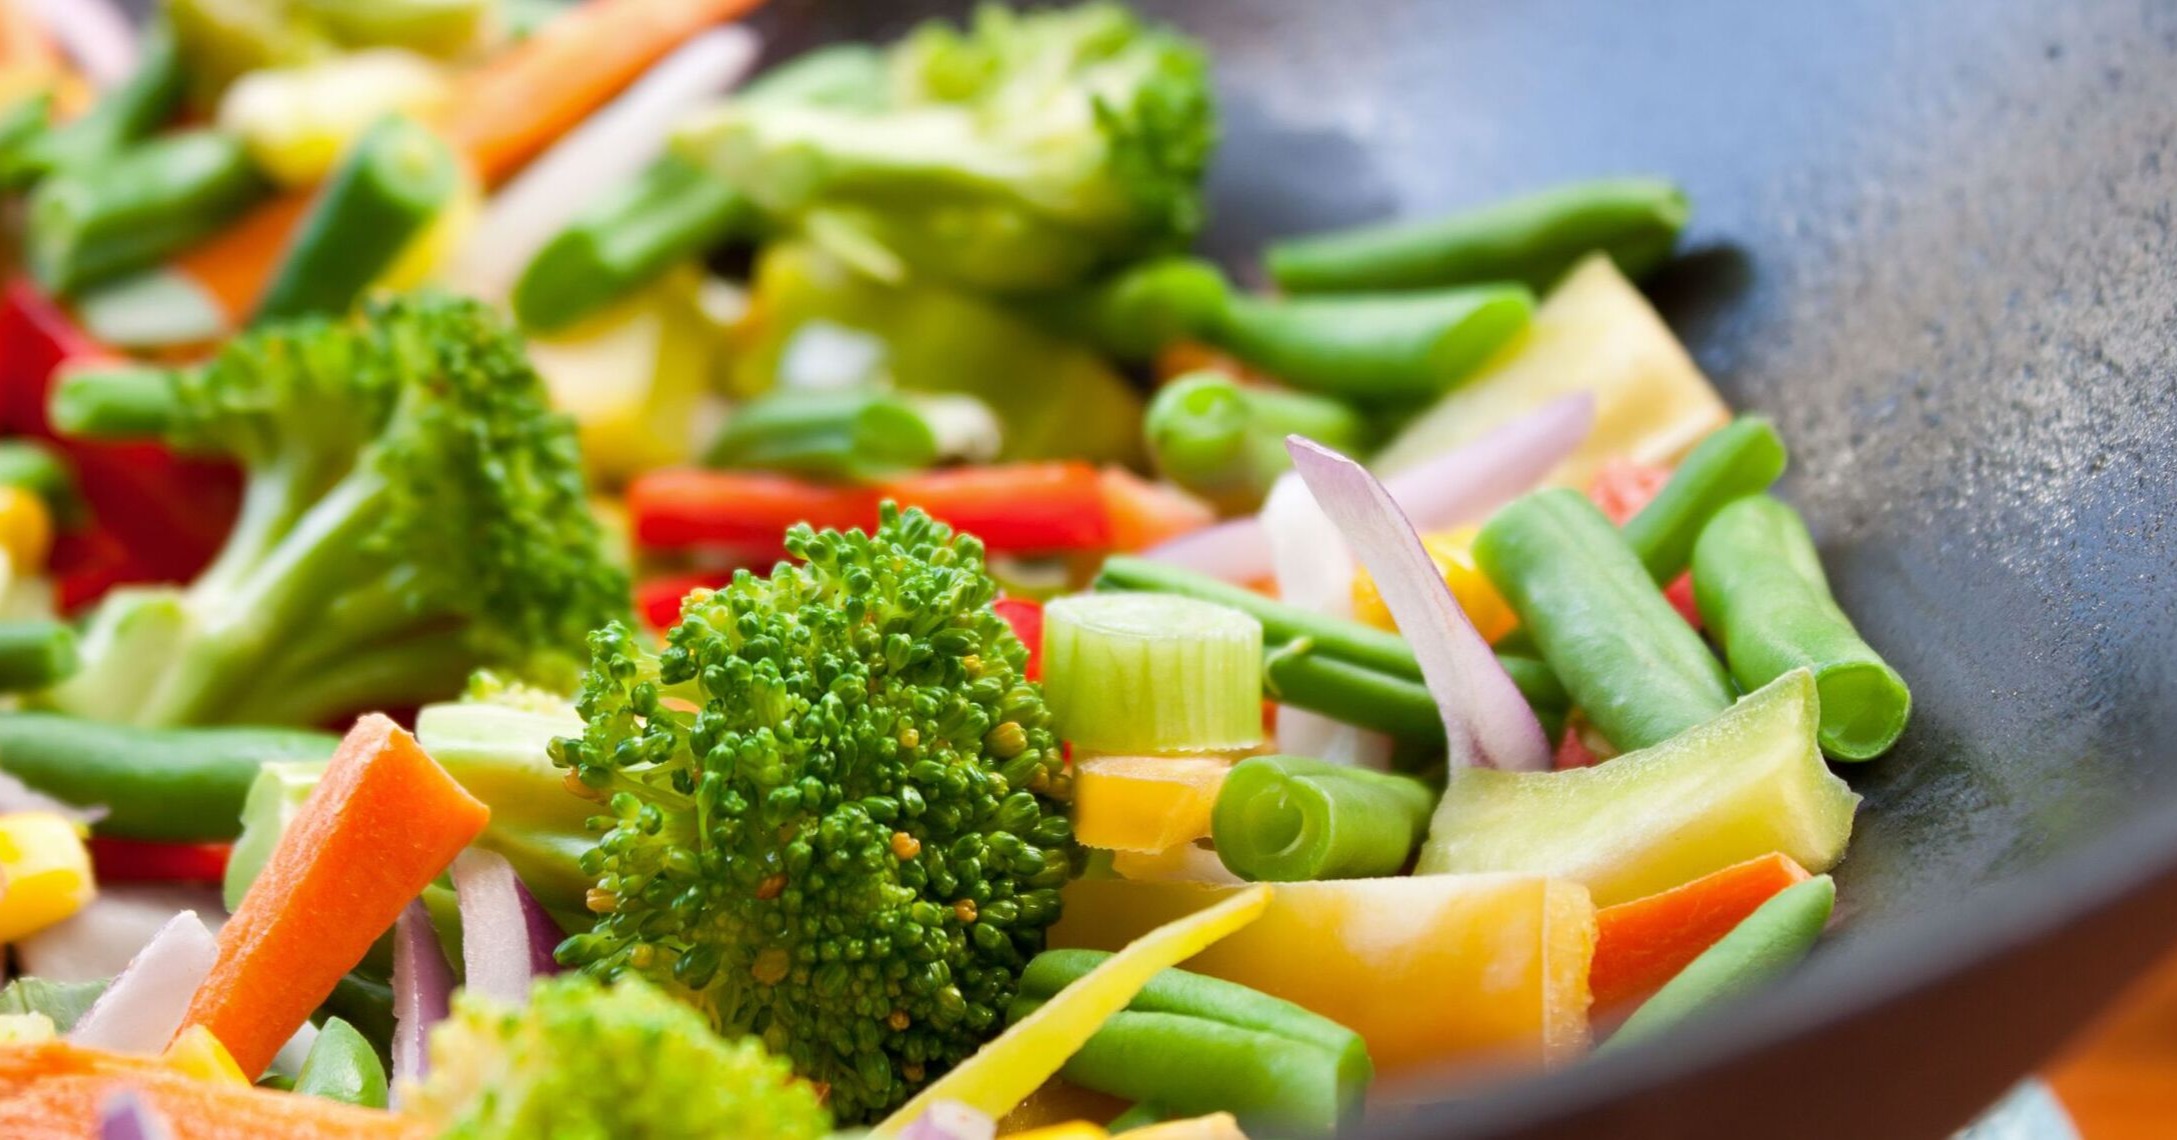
pixel 1935 242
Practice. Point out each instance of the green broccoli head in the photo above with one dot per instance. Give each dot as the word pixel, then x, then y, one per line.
pixel 413 510
pixel 832 815
pixel 585 1061
pixel 1027 152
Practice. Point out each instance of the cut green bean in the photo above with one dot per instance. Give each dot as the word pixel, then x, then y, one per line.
pixel 91 224
pixel 1346 640
pixel 343 1066
pixel 121 116
pixel 1761 591
pixel 1290 819
pixel 1191 1045
pixel 35 654
pixel 1531 239
pixel 113 402
pixel 861 435
pixel 1140 311
pixel 1389 349
pixel 173 785
pixel 36 467
pixel 672 212
pixel 388 187
pixel 1225 441
pixel 1306 677
pixel 1759 950
pixel 1741 458
pixel 1624 655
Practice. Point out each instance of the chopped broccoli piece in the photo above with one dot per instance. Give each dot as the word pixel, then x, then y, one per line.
pixel 833 808
pixel 1026 152
pixel 585 1061
pixel 413 511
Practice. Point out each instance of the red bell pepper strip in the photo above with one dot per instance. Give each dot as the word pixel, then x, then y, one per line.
pixel 1025 615
pixel 685 508
pixel 1621 487
pixel 139 861
pixel 169 513
pixel 658 600
pixel 1018 508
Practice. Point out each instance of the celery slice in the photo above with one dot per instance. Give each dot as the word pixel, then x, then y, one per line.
pixel 1156 673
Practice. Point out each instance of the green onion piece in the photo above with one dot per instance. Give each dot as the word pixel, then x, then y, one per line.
pixel 861 435
pixel 1149 673
pixel 1387 349
pixel 1291 819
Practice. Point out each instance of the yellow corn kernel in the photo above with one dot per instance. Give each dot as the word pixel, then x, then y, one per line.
pixel 197 1053
pixel 24 1028
pixel 1453 553
pixel 45 872
pixel 1144 803
pixel 26 530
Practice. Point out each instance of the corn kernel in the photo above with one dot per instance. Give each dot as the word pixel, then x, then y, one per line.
pixel 26 530
pixel 45 872
pixel 1453 553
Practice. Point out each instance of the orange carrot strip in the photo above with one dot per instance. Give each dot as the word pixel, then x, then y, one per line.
pixel 1144 514
pixel 535 91
pixel 385 821
pixel 233 265
pixel 51 1090
pixel 1640 945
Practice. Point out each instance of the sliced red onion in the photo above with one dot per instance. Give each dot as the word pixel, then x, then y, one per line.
pixel 607 149
pixel 1314 570
pixel 125 1116
pixel 506 938
pixel 96 34
pixel 1486 720
pixel 1461 485
pixel 950 1120
pixel 423 986
pixel 16 796
pixel 143 1008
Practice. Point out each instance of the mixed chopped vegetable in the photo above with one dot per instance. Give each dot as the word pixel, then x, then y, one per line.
pixel 545 595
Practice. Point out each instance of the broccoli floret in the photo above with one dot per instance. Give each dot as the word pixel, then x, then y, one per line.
pixel 413 510
pixel 833 815
pixel 585 1061
pixel 1026 152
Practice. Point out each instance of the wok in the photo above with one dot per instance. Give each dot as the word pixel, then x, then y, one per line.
pixel 1933 240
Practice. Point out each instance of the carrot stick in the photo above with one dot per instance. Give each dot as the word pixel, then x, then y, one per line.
pixel 51 1090
pixel 383 823
pixel 519 102
pixel 1640 945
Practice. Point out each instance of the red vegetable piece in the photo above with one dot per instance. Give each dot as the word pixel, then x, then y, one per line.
pixel 141 861
pixel 1025 615
pixel 1016 508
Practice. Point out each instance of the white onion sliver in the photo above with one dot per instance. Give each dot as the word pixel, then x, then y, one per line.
pixel 125 1116
pixel 608 148
pixel 144 1007
pixel 16 796
pixel 1314 571
pixel 950 1120
pixel 99 940
pixel 1459 486
pixel 423 986
pixel 506 939
pixel 97 36
pixel 1486 719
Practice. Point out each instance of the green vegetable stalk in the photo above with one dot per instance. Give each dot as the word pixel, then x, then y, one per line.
pixel 1741 458
pixel 1386 349
pixel 387 189
pixel 1758 951
pixel 862 435
pixel 1531 239
pixel 1137 312
pixel 673 211
pixel 1191 1045
pixel 1760 587
pixel 93 223
pixel 1226 442
pixel 1290 819
pixel 1626 658
pixel 121 117
pixel 174 785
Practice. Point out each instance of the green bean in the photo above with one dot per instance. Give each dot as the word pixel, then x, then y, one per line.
pixel 1531 239
pixel 1759 584
pixel 36 467
pixel 1626 658
pixel 1140 311
pixel 1226 442
pixel 1738 459
pixel 1141 1115
pixel 1761 948
pixel 91 224
pixel 1388 349
pixel 385 192
pixel 1191 1044
pixel 1306 677
pixel 1349 641
pixel 113 402
pixel 35 654
pixel 342 1065
pixel 672 212
pixel 1289 819
pixel 862 435
pixel 121 116
pixel 176 785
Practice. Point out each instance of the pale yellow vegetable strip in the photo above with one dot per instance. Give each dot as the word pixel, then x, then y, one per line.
pixel 1032 1050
